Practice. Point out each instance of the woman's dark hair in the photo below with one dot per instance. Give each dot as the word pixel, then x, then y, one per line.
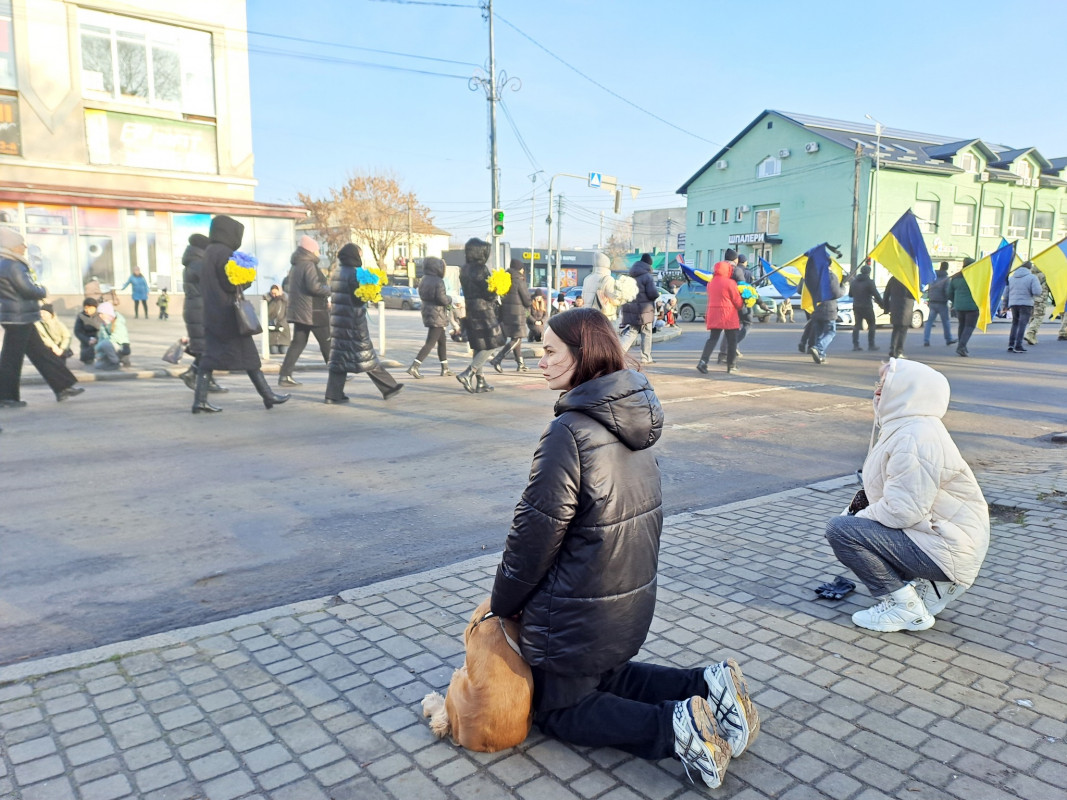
pixel 592 342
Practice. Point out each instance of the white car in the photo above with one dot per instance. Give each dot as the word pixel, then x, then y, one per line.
pixel 846 317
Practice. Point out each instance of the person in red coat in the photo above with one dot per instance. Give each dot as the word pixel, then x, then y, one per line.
pixel 724 305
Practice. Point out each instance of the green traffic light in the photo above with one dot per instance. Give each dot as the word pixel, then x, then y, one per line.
pixel 498 222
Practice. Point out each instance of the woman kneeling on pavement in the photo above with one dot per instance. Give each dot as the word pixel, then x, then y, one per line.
pixel 579 570
pixel 920 542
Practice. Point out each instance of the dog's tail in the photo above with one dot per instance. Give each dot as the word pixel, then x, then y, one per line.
pixel 433 706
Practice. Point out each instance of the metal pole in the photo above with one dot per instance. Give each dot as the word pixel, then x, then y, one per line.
pixel 548 252
pixel 856 211
pixel 877 173
pixel 410 261
pixel 533 213
pixel 559 238
pixel 494 169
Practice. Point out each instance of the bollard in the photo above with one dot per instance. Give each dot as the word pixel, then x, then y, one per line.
pixel 381 327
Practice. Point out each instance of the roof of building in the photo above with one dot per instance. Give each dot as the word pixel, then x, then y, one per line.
pixel 899 149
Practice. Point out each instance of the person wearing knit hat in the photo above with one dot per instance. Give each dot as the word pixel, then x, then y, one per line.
pixel 113 339
pixel 639 314
pixel 308 289
pixel 598 289
pixel 20 304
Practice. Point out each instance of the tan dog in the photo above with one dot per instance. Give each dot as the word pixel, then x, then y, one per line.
pixel 488 706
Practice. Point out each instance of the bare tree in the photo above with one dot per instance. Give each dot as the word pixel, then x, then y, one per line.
pixel 618 245
pixel 371 210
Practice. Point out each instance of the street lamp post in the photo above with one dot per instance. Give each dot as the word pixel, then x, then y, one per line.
pixel 877 170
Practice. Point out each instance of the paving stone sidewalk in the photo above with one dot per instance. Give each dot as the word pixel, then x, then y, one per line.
pixel 321 699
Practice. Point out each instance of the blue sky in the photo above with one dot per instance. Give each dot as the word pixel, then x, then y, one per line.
pixel 325 105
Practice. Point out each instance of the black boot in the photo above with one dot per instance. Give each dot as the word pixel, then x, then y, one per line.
pixel 467 379
pixel 200 403
pixel 270 399
pixel 496 364
pixel 413 370
pixel 214 388
pixel 482 386
pixel 445 370
pixel 287 380
pixel 335 389
pixel 189 377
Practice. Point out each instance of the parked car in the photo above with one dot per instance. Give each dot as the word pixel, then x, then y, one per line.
pixel 404 297
pixel 572 293
pixel 846 318
pixel 692 301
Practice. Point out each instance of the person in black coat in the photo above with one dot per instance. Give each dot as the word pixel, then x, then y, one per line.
pixel 898 302
pixel 481 324
pixel 86 327
pixel 639 314
pixel 308 289
pixel 20 308
pixel 277 322
pixel 435 305
pixel 193 309
pixel 864 295
pixel 225 347
pixel 352 349
pixel 579 569
pixel 513 318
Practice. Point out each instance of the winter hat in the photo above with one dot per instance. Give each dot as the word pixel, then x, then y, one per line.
pixel 731 254
pixel 516 264
pixel 348 255
pixel 199 240
pixel 647 258
pixel 601 262
pixel 9 240
pixel 865 270
pixel 742 258
pixel 90 301
pixel 106 310
pixel 49 308
pixel 309 244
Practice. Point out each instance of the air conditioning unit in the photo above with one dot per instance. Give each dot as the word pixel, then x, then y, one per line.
pixel 1035 182
pixel 811 147
pixel 784 153
pixel 983 176
pixel 721 164
pixel 745 209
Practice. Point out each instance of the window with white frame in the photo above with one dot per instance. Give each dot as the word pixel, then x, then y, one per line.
pixel 767 221
pixel 1061 227
pixel 963 219
pixel 990 221
pixel 7 48
pixel 696 264
pixel 1043 225
pixel 146 63
pixel 700 218
pixel 926 213
pixel 711 259
pixel 769 167
pixel 725 215
pixel 1018 223
pixel 969 163
pixel 712 217
pixel 1023 168
pixel 737 213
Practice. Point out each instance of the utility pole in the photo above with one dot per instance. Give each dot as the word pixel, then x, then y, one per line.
pixel 411 260
pixel 856 210
pixel 559 238
pixel 877 171
pixel 600 238
pixel 667 248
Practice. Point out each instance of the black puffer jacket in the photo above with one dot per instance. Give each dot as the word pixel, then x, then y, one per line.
pixel 642 309
pixel 193 309
pixel 224 346
pixel 351 349
pixel 864 293
pixel 20 295
pixel 898 302
pixel 480 324
pixel 826 311
pixel 516 301
pixel 435 300
pixel 308 289
pixel 581 558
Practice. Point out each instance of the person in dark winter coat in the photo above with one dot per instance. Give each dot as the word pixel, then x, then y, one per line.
pixel 277 322
pixel 513 318
pixel 193 309
pixel 723 316
pixel 824 321
pixel 536 317
pixel 580 566
pixel 308 289
pixel 225 347
pixel 352 349
pixel 959 295
pixel 937 300
pixel 639 314
pixel 86 327
pixel 20 310
pixel 898 302
pixel 435 305
pixel 481 324
pixel 864 295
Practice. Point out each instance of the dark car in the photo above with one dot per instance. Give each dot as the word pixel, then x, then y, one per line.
pixel 692 300
pixel 404 297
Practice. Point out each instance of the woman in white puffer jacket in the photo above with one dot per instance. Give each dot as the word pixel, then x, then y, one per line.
pixel 922 539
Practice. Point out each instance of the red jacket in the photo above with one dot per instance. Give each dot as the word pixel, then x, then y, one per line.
pixel 724 299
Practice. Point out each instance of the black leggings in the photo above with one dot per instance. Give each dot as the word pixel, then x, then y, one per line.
pixel 434 336
pixel 24 340
pixel 135 308
pixel 514 344
pixel 300 340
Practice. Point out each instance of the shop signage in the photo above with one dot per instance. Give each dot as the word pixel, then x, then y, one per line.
pixel 10 141
pixel 131 140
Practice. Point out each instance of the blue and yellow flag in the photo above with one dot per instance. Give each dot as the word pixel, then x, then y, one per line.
pixel 986 278
pixel 816 266
pixel 1053 262
pixel 786 278
pixel 903 253
pixel 691 274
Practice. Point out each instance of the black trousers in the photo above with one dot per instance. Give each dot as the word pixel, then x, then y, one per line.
pixel 896 342
pixel 514 345
pixel 967 321
pixel 379 376
pixel 713 339
pixel 136 307
pixel 301 332
pixel 866 317
pixel 631 710
pixel 434 336
pixel 807 336
pixel 24 341
pixel 742 332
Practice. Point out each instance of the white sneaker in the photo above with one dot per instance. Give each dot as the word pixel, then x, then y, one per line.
pixel 901 610
pixel 728 698
pixel 937 594
pixel 697 743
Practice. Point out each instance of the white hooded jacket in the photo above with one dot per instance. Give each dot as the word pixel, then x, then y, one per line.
pixel 915 478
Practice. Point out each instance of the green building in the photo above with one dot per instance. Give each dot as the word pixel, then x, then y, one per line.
pixel 788 182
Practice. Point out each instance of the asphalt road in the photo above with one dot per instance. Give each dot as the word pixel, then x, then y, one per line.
pixel 121 514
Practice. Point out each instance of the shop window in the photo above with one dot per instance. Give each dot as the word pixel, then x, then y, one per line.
pixel 99 232
pixel 146 63
pixel 769 167
pixel 8 79
pixel 963 219
pixel 926 213
pixel 1043 225
pixel 9 215
pixel 50 247
pixel 767 221
pixel 990 221
pixel 1018 223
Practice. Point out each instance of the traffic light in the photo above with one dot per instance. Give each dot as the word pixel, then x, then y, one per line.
pixel 498 222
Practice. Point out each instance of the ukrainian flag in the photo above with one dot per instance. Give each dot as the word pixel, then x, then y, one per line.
pixel 816 266
pixel 903 252
pixel 1053 262
pixel 691 274
pixel 786 278
pixel 986 278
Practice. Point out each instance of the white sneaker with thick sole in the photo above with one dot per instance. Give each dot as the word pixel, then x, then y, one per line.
pixel 697 743
pixel 901 610
pixel 937 594
pixel 728 698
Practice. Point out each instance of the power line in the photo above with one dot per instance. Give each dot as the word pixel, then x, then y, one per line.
pixel 364 49
pixel 425 3
pixel 352 62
